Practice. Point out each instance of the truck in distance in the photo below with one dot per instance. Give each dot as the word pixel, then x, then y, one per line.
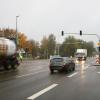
pixel 81 55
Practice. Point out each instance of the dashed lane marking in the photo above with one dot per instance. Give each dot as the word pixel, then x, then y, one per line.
pixel 34 96
pixel 72 74
pixel 86 67
pixel 98 72
pixel 2 72
pixel 31 74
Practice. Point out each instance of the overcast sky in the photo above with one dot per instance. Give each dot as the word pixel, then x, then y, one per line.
pixel 42 17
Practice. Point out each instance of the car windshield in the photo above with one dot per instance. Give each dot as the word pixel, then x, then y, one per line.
pixel 66 59
pixel 57 59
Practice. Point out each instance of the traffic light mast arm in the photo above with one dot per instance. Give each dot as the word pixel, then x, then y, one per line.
pixel 62 32
pixel 98 38
pixel 93 34
pixel 83 34
pixel 73 43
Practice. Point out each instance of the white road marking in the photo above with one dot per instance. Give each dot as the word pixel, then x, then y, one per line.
pixel 7 71
pixel 35 69
pixel 98 72
pixel 86 67
pixel 34 96
pixel 72 75
pixel 31 74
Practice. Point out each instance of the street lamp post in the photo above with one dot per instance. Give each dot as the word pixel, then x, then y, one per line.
pixel 17 42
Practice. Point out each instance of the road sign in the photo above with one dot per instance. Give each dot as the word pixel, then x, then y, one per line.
pixel 98 43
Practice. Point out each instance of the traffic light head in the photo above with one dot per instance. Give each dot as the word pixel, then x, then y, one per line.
pixel 62 33
pixel 80 32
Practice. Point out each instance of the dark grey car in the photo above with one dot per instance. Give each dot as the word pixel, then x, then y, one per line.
pixel 61 64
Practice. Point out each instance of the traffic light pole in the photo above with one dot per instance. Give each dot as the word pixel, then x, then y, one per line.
pixel 62 33
pixel 93 34
pixel 99 45
pixel 97 37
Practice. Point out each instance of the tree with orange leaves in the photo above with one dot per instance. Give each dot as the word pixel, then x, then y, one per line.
pixel 22 40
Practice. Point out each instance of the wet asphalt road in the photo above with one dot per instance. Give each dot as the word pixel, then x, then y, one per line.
pixel 33 81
